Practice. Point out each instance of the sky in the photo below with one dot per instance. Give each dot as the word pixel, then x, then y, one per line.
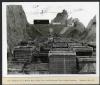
pixel 84 11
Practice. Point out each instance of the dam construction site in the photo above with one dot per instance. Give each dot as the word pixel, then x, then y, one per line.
pixel 62 46
pixel 58 55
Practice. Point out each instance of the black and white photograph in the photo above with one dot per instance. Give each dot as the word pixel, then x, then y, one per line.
pixel 51 38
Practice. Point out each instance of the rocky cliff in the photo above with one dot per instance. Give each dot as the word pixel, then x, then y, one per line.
pixel 72 31
pixel 90 32
pixel 16 25
pixel 61 17
pixel 18 28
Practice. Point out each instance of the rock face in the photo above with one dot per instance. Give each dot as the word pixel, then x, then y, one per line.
pixel 72 31
pixel 90 32
pixel 75 30
pixel 18 28
pixel 61 17
pixel 16 25
pixel 78 30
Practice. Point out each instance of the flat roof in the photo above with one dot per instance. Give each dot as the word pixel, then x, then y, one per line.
pixel 61 53
pixel 87 59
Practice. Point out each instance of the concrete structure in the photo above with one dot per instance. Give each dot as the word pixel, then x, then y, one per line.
pixel 60 45
pixel 83 50
pixel 23 54
pixel 87 65
pixel 57 56
pixel 62 62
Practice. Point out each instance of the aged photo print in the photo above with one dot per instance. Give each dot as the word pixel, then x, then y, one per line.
pixel 51 38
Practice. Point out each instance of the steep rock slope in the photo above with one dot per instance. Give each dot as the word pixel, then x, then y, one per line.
pixel 72 31
pixel 75 30
pixel 61 17
pixel 90 32
pixel 18 28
